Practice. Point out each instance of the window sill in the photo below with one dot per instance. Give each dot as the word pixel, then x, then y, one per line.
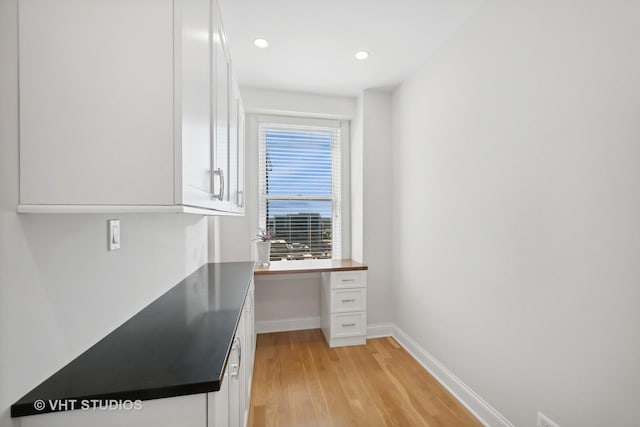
pixel 309 266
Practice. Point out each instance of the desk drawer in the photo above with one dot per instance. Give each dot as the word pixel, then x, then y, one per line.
pixel 348 279
pixel 348 300
pixel 348 324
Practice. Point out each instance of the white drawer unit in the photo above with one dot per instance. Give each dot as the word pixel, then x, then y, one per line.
pixel 346 279
pixel 346 300
pixel 349 324
pixel 343 307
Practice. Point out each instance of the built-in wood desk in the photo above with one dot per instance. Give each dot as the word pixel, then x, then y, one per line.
pixel 343 296
pixel 309 266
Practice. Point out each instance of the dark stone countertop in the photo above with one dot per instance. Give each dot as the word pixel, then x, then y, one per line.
pixel 177 345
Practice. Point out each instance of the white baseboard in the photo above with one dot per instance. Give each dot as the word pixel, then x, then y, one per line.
pixel 485 413
pixel 378 330
pixel 293 324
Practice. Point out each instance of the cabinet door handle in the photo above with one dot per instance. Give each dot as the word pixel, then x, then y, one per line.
pixel 348 280
pixel 235 367
pixel 241 198
pixel 348 324
pixel 221 184
pixel 219 172
pixel 348 300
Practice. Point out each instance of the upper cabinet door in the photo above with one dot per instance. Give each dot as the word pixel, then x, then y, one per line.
pixel 221 117
pixel 195 115
pixel 96 102
pixel 234 148
pixel 241 157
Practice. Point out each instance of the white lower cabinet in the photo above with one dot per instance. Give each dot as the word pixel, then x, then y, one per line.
pixel 218 404
pixel 343 307
pixel 228 407
pixel 236 378
pixel 246 340
pixel 250 328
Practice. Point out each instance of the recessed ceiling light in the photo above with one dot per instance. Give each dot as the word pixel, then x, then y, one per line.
pixel 362 55
pixel 261 43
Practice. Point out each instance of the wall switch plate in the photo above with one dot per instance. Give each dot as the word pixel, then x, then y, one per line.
pixel 544 421
pixel 113 234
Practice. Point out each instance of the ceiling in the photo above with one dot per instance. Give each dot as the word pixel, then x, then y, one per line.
pixel 313 42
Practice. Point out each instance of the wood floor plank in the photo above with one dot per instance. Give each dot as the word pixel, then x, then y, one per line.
pixel 299 381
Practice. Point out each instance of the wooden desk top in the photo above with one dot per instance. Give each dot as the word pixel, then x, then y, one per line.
pixel 309 266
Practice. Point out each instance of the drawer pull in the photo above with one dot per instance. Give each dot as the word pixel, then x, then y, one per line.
pixel 348 300
pixel 348 324
pixel 348 280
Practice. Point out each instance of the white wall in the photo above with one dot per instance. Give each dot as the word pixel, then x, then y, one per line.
pixel 377 197
pixel 356 192
pixel 60 290
pixel 287 302
pixel 517 205
pixel 267 101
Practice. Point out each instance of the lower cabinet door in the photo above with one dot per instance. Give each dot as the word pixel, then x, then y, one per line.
pixel 218 404
pixel 183 411
pixel 250 347
pixel 236 376
pixel 243 374
pixel 234 386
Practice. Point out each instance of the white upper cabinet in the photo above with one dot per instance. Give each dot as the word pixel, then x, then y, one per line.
pixel 221 119
pixel 236 150
pixel 241 124
pixel 125 107
pixel 196 101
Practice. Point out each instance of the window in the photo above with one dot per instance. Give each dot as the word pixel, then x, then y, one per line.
pixel 300 186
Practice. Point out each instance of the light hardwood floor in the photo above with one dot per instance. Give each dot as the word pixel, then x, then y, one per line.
pixel 299 381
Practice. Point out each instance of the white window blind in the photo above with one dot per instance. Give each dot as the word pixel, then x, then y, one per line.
pixel 300 188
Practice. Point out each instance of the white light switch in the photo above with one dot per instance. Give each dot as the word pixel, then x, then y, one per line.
pixel 114 234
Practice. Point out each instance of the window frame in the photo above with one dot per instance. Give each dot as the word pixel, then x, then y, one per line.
pixel 340 201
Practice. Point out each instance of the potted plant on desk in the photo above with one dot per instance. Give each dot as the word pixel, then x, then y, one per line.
pixel 263 246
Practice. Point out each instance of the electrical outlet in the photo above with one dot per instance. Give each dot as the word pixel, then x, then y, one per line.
pixel 113 234
pixel 544 421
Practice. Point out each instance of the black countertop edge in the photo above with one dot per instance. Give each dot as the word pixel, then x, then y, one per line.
pixel 178 345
